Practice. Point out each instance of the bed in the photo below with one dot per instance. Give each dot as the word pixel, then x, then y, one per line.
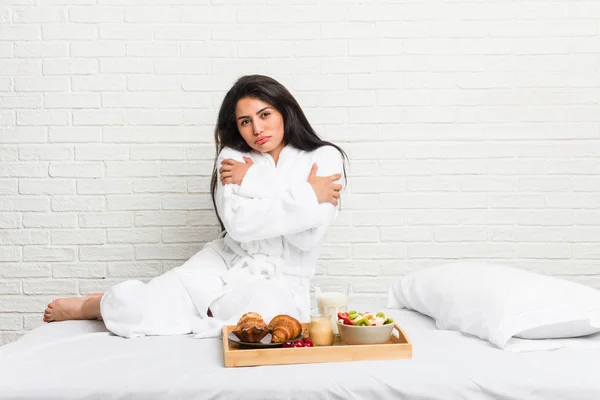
pixel 81 360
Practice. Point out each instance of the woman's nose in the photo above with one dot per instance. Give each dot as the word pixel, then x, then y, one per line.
pixel 257 128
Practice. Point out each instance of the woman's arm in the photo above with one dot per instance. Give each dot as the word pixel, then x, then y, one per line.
pixel 248 219
pixel 261 181
pixel 330 162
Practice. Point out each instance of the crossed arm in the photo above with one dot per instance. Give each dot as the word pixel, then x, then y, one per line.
pixel 261 206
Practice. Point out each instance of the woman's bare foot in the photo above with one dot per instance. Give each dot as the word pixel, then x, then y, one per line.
pixel 74 308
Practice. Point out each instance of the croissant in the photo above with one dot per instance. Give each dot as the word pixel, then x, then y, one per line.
pixel 251 328
pixel 284 328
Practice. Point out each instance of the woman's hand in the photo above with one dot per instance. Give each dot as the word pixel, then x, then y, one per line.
pixel 233 171
pixel 325 189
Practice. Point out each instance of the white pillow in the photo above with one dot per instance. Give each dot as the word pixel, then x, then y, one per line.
pixel 497 303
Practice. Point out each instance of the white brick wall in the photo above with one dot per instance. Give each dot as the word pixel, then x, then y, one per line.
pixel 473 130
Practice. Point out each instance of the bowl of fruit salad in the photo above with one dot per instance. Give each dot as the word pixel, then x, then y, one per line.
pixel 364 328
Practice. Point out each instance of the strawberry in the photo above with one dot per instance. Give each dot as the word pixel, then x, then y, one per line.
pixel 347 321
pixel 342 315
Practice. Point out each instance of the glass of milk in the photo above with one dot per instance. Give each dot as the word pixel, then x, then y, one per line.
pixel 331 301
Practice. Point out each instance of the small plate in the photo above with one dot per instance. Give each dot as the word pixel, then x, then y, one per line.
pixel 263 344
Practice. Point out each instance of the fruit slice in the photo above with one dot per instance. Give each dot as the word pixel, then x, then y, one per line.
pixel 353 315
pixel 342 315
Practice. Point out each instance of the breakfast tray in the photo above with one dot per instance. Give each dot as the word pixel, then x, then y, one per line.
pixel 398 347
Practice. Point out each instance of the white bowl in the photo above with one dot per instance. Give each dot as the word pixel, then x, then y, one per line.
pixel 352 334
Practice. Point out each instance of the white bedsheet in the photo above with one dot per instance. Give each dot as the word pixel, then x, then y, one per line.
pixel 80 359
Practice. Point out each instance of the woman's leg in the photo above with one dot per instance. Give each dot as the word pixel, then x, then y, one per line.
pixel 166 305
pixel 74 308
pixel 161 306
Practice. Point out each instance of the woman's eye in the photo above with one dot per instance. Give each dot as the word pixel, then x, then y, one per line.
pixel 244 122
pixel 266 114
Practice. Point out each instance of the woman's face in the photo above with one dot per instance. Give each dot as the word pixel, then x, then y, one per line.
pixel 260 124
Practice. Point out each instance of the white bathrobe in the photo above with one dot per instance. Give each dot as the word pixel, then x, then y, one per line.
pixel 274 226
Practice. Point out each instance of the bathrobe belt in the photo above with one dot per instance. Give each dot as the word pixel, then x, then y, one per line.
pixel 259 265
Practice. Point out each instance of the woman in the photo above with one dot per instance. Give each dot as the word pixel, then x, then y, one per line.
pixel 274 191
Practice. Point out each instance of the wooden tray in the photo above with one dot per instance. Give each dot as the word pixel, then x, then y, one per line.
pixel 397 347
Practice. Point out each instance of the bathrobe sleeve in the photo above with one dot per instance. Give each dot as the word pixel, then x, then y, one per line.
pixel 248 219
pixel 261 181
pixel 330 161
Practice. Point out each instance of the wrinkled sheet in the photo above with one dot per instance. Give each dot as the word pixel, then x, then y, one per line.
pixel 81 360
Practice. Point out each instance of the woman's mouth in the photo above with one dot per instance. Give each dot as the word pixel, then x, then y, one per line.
pixel 262 140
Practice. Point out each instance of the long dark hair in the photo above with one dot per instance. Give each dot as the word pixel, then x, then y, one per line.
pixel 297 130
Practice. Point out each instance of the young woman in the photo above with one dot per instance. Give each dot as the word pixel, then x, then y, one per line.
pixel 275 191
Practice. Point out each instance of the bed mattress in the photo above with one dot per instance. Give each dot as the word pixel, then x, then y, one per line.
pixel 81 360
